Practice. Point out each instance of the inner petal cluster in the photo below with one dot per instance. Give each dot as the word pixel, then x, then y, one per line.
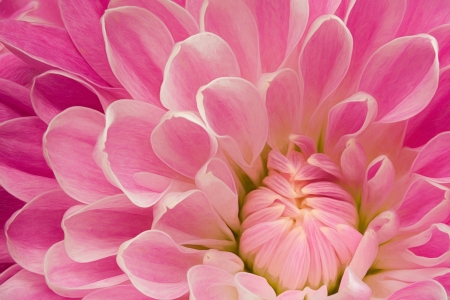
pixel 299 227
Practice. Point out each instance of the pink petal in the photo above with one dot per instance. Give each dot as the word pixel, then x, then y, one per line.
pixel 424 290
pixel 183 143
pixel 71 279
pixel 194 7
pixel 16 70
pixel 421 17
pixel 14 101
pixel 183 216
pixel 118 292
pixel 26 285
pixel 36 11
pixel 53 92
pixel 353 163
pixel 408 79
pixel 280 26
pixel 292 295
pixel 433 160
pixel 306 144
pixel 318 8
pixel 45 47
pixel 365 254
pixel 441 34
pixel 351 288
pixel 431 121
pixel 207 283
pixel 344 9
pixel 250 286
pixel 23 170
pixel 31 231
pixel 68 145
pixel 129 125
pixel 93 233
pixel 434 244
pixel 224 105
pixel 9 272
pixel 160 271
pixel 324 60
pixel 205 55
pixel 233 21
pixel 9 205
pixel 179 22
pixel 216 181
pixel 138 64
pixel 82 21
pixel 227 261
pixel 283 92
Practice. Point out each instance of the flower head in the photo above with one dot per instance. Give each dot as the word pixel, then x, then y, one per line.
pixel 225 149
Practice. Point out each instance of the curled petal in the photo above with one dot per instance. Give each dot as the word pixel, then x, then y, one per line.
pixel 441 34
pixel 429 289
pixel 14 101
pixel 251 286
pixel 207 282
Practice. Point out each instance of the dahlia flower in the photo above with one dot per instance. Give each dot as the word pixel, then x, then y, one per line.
pixel 225 149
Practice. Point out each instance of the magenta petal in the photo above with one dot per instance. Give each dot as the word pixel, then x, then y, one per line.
pixel 434 159
pixel 14 101
pixel 9 205
pixel 207 283
pixel 68 145
pixel 183 143
pixel 35 228
pixel 324 60
pixel 139 62
pixel 408 79
pixel 208 57
pixel 16 70
pixel 118 292
pixel 45 46
pixel 52 92
pixel 233 21
pixel 129 125
pixel 429 122
pixel 23 170
pixel 71 279
pixel 224 105
pixel 26 285
pixel 161 270
pixel 429 290
pixel 9 272
pixel 321 7
pixel 179 22
pixel 442 35
pixel 97 230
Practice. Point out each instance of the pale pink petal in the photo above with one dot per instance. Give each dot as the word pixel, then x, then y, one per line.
pixel 351 288
pixel 96 231
pixel 179 22
pixel 251 286
pixel 402 76
pixel 14 101
pixel 31 231
pixel 192 64
pixel 292 295
pixel 441 34
pixel 45 47
pixel 9 205
pixel 306 144
pixel 16 70
pixel 365 254
pixel 280 26
pixel 183 143
pixel 432 246
pixel 283 92
pixel 324 61
pixel 118 292
pixel 423 290
pixel 421 17
pixel 138 63
pixel 175 210
pixel 161 270
pixel 68 145
pixel 216 181
pixel 432 120
pixel 9 272
pixel 23 170
pixel 233 21
pixel 353 163
pixel 433 160
pixel 82 21
pixel 224 105
pixel 71 279
pixel 129 125
pixel 207 283
pixel 53 92
pixel 26 285
pixel 227 261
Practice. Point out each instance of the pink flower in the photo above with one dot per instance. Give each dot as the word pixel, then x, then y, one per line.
pixel 219 149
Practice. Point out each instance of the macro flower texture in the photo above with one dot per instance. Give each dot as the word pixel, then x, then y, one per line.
pixel 225 149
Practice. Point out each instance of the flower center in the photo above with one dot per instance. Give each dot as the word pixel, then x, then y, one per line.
pixel 299 227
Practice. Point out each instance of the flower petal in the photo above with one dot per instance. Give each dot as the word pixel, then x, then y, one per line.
pixel 31 231
pixel 14 101
pixel 351 288
pixel 441 34
pixel 430 290
pixel 23 170
pixel 97 230
pixel 9 205
pixel 206 282
pixel 15 69
pixel 159 271
pixel 205 55
pixel 251 286
pixel 118 292
pixel 138 64
pixel 402 76
pixel 225 105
